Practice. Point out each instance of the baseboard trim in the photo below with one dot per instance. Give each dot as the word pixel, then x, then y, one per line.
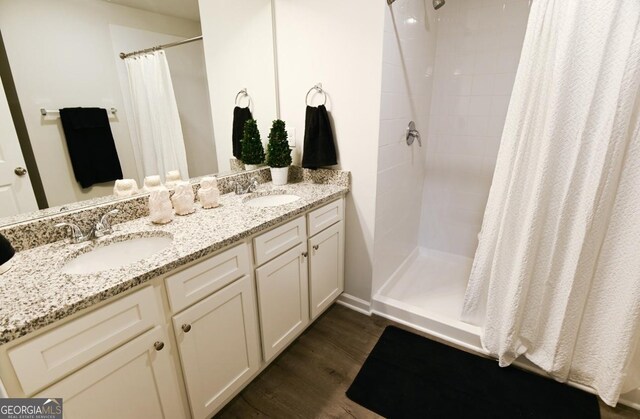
pixel 354 303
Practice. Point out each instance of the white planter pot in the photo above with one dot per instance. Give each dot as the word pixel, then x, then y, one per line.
pixel 250 166
pixel 279 175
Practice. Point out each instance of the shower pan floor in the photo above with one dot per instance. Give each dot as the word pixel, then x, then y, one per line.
pixel 435 281
pixel 427 293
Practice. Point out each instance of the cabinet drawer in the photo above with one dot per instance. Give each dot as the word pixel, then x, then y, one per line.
pixel 324 216
pixel 204 278
pixel 52 355
pixel 279 240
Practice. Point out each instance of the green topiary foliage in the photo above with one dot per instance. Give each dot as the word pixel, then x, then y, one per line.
pixel 278 151
pixel 251 144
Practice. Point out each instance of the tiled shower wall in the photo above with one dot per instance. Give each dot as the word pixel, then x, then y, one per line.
pixel 477 54
pixel 407 73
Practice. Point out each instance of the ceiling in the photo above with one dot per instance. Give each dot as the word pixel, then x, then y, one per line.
pixel 187 9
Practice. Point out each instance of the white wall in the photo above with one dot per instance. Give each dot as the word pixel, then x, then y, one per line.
pixel 477 54
pixel 339 43
pixel 189 78
pixel 238 47
pixel 61 55
pixel 407 73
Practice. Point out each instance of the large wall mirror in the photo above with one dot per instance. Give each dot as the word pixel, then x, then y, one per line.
pixel 66 54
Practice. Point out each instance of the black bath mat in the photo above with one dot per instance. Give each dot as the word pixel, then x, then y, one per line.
pixel 408 376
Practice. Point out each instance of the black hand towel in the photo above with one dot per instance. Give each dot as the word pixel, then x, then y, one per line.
pixel 319 148
pixel 240 116
pixel 91 147
pixel 6 250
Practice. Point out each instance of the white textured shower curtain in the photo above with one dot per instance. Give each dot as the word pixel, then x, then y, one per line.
pixel 556 276
pixel 157 135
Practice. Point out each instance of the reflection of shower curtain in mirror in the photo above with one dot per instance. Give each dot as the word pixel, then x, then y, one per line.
pixel 556 276
pixel 158 132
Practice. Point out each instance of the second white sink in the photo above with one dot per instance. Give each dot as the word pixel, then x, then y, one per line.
pixel 116 254
pixel 271 200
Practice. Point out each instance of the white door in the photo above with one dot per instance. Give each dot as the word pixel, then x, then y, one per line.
pixel 283 299
pixel 137 380
pixel 16 193
pixel 219 346
pixel 326 270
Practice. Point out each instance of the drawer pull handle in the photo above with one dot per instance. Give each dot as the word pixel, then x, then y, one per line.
pixel 316 246
pixel 304 254
pixel 186 328
pixel 158 345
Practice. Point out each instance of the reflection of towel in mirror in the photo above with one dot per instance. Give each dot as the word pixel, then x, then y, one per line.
pixel 319 148
pixel 240 116
pixel 91 147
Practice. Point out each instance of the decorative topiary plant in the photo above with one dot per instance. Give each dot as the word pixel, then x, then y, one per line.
pixel 251 144
pixel 278 151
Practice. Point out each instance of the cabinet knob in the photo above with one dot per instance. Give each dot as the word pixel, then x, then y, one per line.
pixel 186 328
pixel 316 246
pixel 304 254
pixel 158 345
pixel 20 171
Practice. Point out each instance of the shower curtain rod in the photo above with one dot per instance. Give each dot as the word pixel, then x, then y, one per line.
pixel 156 48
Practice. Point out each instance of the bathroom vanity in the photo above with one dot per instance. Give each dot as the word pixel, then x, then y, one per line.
pixel 181 332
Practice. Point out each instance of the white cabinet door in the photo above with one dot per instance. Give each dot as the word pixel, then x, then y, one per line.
pixel 137 380
pixel 219 346
pixel 283 299
pixel 326 271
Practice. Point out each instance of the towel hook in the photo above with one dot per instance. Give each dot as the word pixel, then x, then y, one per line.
pixel 318 88
pixel 243 93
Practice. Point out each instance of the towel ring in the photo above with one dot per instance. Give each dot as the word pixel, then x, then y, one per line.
pixel 243 93
pixel 318 88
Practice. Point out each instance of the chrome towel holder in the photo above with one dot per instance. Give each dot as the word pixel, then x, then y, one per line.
pixel 318 88
pixel 45 112
pixel 243 93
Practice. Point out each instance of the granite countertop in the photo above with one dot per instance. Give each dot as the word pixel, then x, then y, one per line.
pixel 35 293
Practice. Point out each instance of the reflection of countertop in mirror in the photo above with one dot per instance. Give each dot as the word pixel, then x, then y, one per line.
pixel 35 293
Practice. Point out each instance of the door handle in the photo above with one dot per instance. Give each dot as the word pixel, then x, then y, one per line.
pixel 20 171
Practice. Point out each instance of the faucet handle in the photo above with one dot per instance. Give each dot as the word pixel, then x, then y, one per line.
pixel 253 184
pixel 235 186
pixel 104 225
pixel 77 235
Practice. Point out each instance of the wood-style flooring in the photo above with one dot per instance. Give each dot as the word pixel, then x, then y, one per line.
pixel 310 378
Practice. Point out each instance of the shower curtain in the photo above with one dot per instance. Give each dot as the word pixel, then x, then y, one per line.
pixel 156 132
pixel 556 276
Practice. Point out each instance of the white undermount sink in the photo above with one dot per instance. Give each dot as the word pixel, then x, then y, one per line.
pixel 116 255
pixel 272 200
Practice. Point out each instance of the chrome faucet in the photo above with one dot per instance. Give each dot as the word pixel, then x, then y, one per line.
pixel 77 236
pixel 251 187
pixel 102 228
